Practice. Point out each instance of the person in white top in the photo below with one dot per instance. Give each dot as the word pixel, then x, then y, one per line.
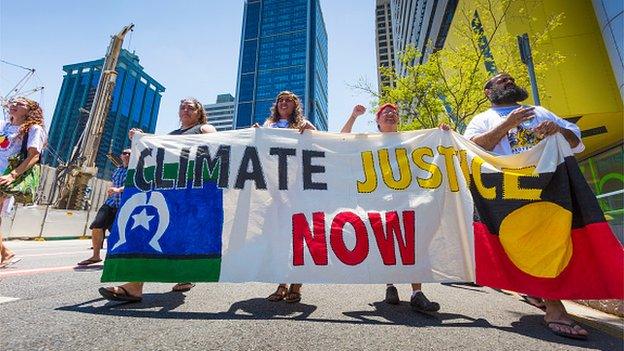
pixel 510 128
pixel 26 121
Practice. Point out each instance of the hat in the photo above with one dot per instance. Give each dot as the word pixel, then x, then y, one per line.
pixel 382 107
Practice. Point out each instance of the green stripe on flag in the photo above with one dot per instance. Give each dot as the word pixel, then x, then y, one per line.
pixel 164 270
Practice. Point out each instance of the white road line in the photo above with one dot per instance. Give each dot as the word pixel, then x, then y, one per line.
pixel 4 299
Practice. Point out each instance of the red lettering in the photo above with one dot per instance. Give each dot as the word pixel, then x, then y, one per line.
pixel 336 239
pixel 316 243
pixel 385 240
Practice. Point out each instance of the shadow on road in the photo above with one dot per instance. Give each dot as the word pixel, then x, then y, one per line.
pixel 162 306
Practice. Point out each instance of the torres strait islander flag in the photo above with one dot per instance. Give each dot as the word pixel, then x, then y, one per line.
pixel 274 205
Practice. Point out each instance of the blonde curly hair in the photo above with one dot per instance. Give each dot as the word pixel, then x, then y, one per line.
pixel 203 117
pixel 296 119
pixel 33 117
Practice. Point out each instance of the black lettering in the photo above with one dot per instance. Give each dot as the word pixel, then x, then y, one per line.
pixel 221 159
pixel 183 168
pixel 256 174
pixel 282 164
pixel 309 169
pixel 139 171
pixel 159 179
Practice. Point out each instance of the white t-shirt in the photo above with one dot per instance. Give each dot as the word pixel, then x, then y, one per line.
pixel 521 138
pixel 11 143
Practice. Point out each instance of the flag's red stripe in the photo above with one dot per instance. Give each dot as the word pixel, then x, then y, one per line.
pixel 595 271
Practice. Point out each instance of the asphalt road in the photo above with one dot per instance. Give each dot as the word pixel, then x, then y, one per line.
pixel 46 303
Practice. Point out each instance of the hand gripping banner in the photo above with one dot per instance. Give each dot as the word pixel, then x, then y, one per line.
pixel 274 205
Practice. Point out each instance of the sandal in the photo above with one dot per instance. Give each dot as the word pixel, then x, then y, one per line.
pixel 278 295
pixel 89 261
pixel 565 334
pixel 291 296
pixel 119 296
pixel 9 261
pixel 182 287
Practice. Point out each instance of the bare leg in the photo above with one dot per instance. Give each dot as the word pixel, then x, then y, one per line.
pixel 97 239
pixel 416 286
pixel 5 252
pixel 557 315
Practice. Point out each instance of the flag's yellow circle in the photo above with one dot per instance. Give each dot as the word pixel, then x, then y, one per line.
pixel 536 238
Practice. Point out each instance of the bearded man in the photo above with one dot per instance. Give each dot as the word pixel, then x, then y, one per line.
pixel 508 128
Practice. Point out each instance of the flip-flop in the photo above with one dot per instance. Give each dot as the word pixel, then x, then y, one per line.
pixel 88 262
pixel 10 261
pixel 177 287
pixel 570 325
pixel 113 296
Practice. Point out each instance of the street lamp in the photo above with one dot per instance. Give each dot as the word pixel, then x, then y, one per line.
pixel 527 59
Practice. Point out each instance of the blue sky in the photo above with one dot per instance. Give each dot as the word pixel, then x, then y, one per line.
pixel 189 46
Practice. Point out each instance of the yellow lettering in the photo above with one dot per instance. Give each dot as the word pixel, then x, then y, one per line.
pixel 448 153
pixel 370 176
pixel 463 163
pixel 435 180
pixel 487 193
pixel 511 184
pixel 405 173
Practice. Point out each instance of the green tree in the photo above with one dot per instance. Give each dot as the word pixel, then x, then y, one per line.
pixel 448 86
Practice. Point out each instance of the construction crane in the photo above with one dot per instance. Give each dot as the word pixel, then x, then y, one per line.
pixel 74 177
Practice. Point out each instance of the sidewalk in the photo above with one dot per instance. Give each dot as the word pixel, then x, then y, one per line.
pixel 608 323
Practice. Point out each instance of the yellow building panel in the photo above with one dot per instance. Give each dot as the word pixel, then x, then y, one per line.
pixel 583 87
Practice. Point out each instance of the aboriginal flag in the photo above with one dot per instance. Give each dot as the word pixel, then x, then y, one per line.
pixel 541 232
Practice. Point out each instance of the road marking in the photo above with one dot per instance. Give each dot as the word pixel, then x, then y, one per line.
pixel 4 299
pixel 86 252
pixel 37 270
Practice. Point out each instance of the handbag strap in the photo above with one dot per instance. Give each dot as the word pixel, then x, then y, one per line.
pixel 24 149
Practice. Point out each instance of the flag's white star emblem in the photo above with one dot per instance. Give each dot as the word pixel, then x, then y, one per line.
pixel 141 219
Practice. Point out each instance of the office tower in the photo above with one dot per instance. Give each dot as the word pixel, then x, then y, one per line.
pixel 283 47
pixel 221 113
pixel 135 104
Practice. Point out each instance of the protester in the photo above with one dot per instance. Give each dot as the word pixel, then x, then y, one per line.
pixel 510 128
pixel 193 120
pixel 105 216
pixel 21 139
pixel 287 113
pixel 388 122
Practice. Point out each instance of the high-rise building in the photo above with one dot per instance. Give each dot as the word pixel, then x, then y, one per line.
pixel 420 23
pixel 221 113
pixel 283 47
pixel 135 104
pixel 385 48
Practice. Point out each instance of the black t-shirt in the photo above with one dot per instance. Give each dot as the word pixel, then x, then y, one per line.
pixel 196 129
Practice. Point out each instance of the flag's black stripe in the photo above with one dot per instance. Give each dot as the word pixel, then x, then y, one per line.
pixel 565 187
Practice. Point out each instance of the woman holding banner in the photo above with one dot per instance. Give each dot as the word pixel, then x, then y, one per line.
pixel 287 113
pixel 193 120
pixel 388 122
pixel 21 141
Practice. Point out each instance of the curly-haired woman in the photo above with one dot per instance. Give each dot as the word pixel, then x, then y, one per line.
pixel 287 113
pixel 23 133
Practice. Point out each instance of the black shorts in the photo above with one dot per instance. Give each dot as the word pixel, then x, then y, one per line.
pixel 104 218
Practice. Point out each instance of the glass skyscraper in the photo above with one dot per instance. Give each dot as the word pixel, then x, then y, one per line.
pixel 135 104
pixel 283 47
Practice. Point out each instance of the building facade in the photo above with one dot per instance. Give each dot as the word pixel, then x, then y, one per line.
pixel 135 104
pixel 422 24
pixel 586 88
pixel 221 113
pixel 283 47
pixel 383 40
